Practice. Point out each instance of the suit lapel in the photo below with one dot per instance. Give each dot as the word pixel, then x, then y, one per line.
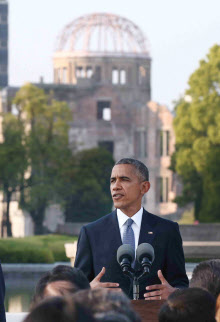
pixel 147 231
pixel 114 232
pixel 111 237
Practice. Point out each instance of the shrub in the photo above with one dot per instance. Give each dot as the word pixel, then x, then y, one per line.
pixel 25 254
pixel 34 249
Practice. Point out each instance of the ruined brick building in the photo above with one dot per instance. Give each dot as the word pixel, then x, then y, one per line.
pixel 102 69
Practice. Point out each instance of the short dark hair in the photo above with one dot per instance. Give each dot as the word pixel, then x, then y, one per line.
pixel 207 275
pixel 101 301
pixel 112 317
pixel 59 309
pixel 139 166
pixel 70 274
pixel 190 304
pixel 61 273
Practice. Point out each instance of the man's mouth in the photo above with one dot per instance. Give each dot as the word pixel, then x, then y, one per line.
pixel 117 196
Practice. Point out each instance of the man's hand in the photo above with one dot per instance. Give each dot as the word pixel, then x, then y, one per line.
pixel 159 291
pixel 96 282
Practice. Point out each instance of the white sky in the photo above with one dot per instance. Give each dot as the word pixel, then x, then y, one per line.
pixel 180 34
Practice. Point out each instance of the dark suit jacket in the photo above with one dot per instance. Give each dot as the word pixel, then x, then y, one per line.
pixel 98 243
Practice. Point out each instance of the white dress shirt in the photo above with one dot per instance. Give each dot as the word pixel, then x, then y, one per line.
pixel 136 226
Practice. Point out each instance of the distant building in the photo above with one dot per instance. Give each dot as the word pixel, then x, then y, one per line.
pixel 102 69
pixel 3 43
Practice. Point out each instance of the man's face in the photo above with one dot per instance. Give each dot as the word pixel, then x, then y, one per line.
pixel 127 189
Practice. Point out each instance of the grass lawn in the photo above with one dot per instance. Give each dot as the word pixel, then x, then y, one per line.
pixel 188 217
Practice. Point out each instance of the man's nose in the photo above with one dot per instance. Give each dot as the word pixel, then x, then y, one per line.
pixel 116 185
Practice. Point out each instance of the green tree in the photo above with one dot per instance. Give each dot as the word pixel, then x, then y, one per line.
pixel 47 143
pixel 197 128
pixel 12 164
pixel 86 180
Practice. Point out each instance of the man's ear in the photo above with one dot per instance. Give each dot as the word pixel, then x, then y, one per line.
pixel 145 187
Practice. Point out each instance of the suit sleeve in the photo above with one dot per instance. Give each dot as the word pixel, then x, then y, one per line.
pixel 84 259
pixel 175 262
pixel 2 296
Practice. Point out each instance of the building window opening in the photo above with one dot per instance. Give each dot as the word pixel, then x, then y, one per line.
pixel 115 76
pixel 122 77
pixel 142 75
pixel 58 76
pixel 89 72
pixel 80 72
pixel 104 110
pixel 167 142
pixel 107 114
pixel 164 143
pixel 98 74
pixel 64 75
pixel 140 144
pixel 163 185
pixel 108 145
pixel 161 143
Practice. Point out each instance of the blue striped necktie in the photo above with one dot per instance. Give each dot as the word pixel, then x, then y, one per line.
pixel 128 236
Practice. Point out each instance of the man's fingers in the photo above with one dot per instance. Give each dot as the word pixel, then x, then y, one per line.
pixel 107 285
pixel 153 298
pixel 161 277
pixel 99 276
pixel 96 282
pixel 150 294
pixel 155 287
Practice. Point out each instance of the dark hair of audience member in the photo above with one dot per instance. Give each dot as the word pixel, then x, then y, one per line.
pixel 101 301
pixel 190 304
pixel 59 309
pixel 207 275
pixel 74 278
pixel 112 317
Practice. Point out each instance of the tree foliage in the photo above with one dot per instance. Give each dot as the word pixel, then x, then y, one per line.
pixel 87 195
pixel 47 142
pixel 12 163
pixel 197 128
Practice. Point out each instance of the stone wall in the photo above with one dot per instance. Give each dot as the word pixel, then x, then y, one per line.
pixel 201 232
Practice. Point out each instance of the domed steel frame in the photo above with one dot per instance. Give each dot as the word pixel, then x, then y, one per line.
pixel 103 33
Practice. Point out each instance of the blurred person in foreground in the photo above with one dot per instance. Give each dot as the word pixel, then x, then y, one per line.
pixel 105 303
pixel 188 305
pixel 112 317
pixel 59 309
pixel 99 241
pixel 207 275
pixel 62 280
pixel 217 315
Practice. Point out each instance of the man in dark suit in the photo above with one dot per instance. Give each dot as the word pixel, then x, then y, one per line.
pixel 98 241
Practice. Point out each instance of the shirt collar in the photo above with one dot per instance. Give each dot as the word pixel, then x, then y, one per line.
pixel 122 218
